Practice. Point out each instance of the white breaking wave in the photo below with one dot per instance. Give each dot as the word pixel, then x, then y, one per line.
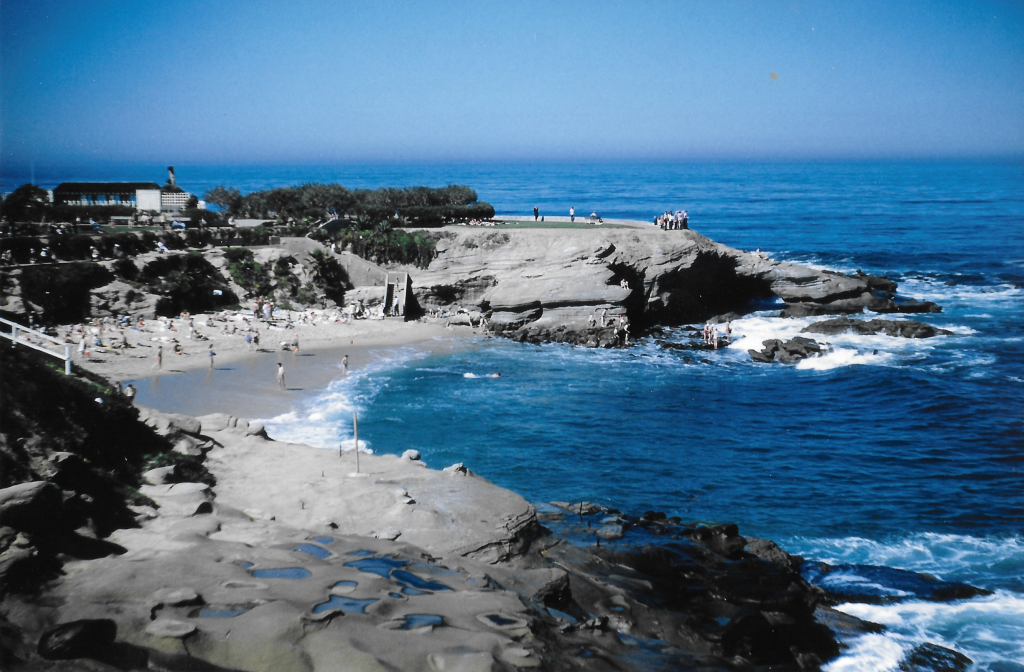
pixel 986 629
pixel 870 653
pixel 326 420
pixel 848 349
pixel 933 289
pixel 843 357
pixel 951 557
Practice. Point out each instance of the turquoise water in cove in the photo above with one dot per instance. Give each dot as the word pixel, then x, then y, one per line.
pixel 896 452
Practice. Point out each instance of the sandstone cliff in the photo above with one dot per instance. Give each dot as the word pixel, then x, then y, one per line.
pixel 549 280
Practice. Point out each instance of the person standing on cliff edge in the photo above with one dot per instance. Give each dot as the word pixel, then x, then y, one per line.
pixel 536 213
pixel 572 214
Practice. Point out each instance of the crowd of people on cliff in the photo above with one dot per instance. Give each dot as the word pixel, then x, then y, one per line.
pixel 671 221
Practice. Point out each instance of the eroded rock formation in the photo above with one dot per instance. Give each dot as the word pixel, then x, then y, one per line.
pixel 547 284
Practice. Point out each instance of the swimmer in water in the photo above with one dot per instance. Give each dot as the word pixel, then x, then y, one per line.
pixel 494 375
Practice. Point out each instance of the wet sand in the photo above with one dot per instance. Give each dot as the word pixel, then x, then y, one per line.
pixel 244 383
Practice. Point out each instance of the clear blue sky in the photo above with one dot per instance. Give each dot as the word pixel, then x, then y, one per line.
pixel 327 82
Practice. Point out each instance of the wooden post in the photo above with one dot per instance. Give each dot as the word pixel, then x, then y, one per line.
pixel 14 333
pixel 67 360
pixel 355 432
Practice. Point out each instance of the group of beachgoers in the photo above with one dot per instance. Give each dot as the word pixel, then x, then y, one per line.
pixel 441 313
pixel 110 335
pixel 602 321
pixel 713 337
pixel 671 221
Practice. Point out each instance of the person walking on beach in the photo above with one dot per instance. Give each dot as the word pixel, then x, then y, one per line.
pixel 572 214
pixel 129 392
pixel 280 375
pixel 211 355
pixel 295 343
pixel 159 357
pixel 536 213
pixel 344 364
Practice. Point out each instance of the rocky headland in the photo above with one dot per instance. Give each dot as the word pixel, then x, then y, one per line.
pixel 547 284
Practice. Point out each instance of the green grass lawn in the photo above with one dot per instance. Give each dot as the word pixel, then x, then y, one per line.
pixel 517 224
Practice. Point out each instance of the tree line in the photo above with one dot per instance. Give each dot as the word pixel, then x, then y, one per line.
pixel 365 208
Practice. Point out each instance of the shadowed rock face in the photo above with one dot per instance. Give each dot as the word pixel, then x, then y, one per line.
pixel 904 328
pixel 550 282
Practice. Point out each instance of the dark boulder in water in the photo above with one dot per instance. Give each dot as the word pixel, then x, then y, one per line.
pixel 857 305
pixel 808 309
pixel 877 282
pixel 786 352
pixel 904 328
pixel 930 657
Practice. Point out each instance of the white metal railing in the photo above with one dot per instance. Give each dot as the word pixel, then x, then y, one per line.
pixel 20 334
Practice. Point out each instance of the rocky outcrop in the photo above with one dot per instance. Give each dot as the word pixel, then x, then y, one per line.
pixel 548 284
pixel 866 301
pixel 786 352
pixel 712 595
pixel 904 328
pixel 929 657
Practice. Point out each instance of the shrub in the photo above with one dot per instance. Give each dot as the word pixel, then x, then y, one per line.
pixel 237 253
pixel 197 238
pixel 187 282
pixel 187 468
pixel 328 275
pixel 173 241
pixel 306 294
pixel 62 291
pixel 72 247
pixel 251 276
pixel 126 268
pixel 27 203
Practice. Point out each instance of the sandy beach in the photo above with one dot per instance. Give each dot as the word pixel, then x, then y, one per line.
pixel 243 380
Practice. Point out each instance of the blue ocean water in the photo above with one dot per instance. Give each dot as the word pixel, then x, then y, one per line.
pixel 897 452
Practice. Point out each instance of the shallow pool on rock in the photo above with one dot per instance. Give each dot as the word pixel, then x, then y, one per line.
pixel 315 551
pixel 413 621
pixel 379 566
pixel 344 604
pixel 413 581
pixel 283 573
pixel 343 587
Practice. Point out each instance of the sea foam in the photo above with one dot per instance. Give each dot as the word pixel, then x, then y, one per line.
pixel 325 421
